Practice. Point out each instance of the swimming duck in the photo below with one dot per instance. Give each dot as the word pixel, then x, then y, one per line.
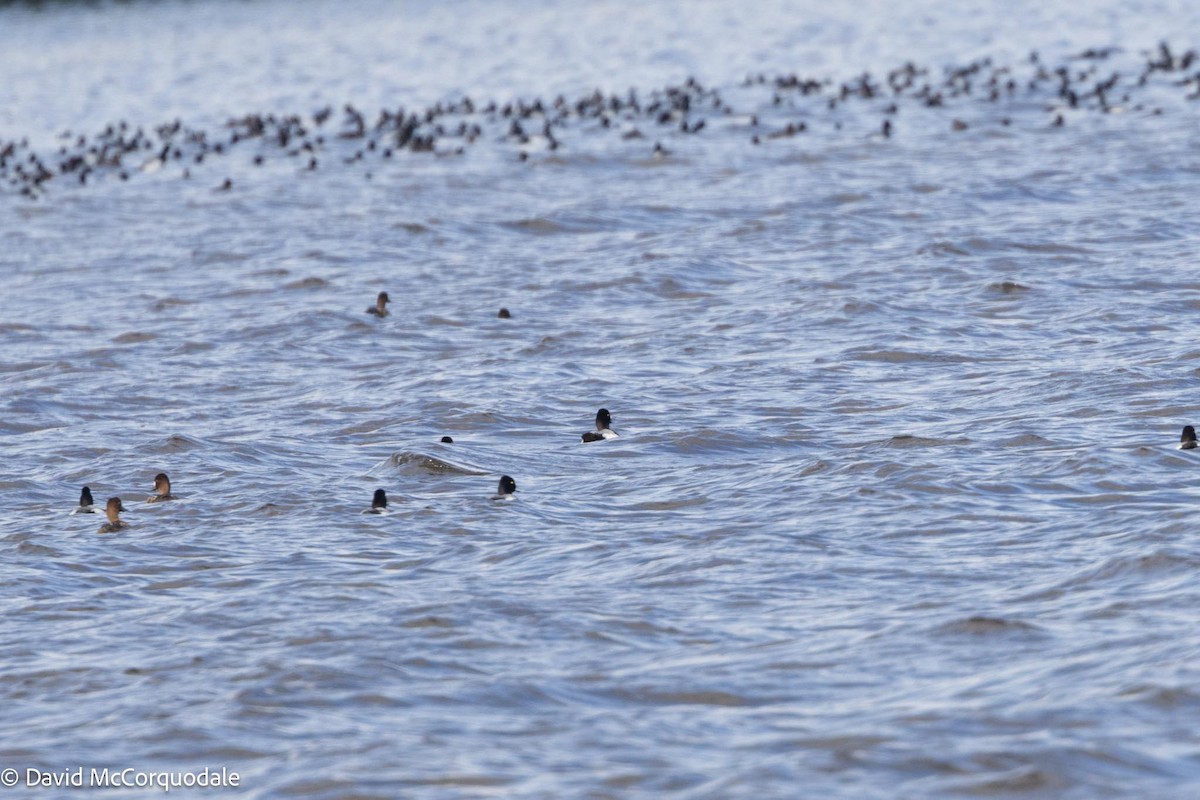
pixel 447 440
pixel 1187 440
pixel 380 307
pixel 506 488
pixel 113 510
pixel 378 503
pixel 162 489
pixel 86 504
pixel 603 429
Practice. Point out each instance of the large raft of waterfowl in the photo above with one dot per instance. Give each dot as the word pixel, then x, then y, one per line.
pixel 771 108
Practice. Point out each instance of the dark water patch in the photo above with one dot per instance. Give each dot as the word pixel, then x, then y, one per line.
pixel 325 257
pixel 27 548
pixel 134 337
pixel 906 441
pixel 1025 440
pixel 672 289
pixel 544 226
pixel 275 509
pixel 1137 573
pixel 188 348
pixel 8 426
pixel 649 696
pixel 856 405
pixel 671 505
pixel 988 626
pixel 805 158
pixel 1052 248
pixel 816 468
pixel 979 245
pixel 909 357
pixel 444 322
pixel 452 780
pixel 1169 698
pixel 177 443
pixel 17 327
pixel 171 302
pixel 412 463
pixel 942 249
pixel 307 283
pixel 845 198
pixel 1100 499
pixel 711 440
pixel 27 366
pixel 567 285
pixel 1006 288
pixel 202 258
pixel 1017 780
pixel 1153 565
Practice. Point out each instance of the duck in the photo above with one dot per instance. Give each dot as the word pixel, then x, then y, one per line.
pixel 378 503
pixel 603 429
pixel 506 488
pixel 447 440
pixel 162 489
pixel 86 504
pixel 1187 440
pixel 113 510
pixel 380 307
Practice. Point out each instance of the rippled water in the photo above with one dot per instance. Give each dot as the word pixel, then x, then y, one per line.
pixel 896 510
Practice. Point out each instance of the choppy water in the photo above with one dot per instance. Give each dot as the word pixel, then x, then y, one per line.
pixel 896 510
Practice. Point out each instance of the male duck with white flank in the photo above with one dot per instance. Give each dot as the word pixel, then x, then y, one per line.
pixel 1187 440
pixel 378 503
pixel 86 504
pixel 506 488
pixel 603 428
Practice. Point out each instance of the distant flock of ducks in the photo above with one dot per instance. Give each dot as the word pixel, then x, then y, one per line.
pixel 379 502
pixel 445 129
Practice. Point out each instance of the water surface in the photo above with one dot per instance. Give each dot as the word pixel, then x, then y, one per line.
pixel 896 509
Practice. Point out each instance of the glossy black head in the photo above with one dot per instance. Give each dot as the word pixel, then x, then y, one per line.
pixel 85 497
pixel 507 485
pixel 1188 435
pixel 380 499
pixel 447 440
pixel 603 419
pixel 503 314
